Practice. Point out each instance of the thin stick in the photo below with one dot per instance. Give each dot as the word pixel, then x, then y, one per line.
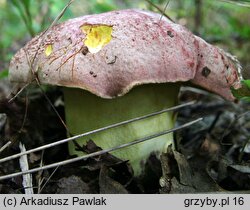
pixel 242 4
pixel 5 146
pixel 52 24
pixel 17 94
pixel 24 166
pixel 164 9
pixel 40 178
pixel 44 94
pixel 54 109
pixel 40 41
pixel 160 10
pixel 100 152
pixel 61 13
pixel 95 131
pixel 25 113
pixel 32 62
pixel 48 179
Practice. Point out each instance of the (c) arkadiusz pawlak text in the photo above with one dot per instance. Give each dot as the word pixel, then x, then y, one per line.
pixel 75 200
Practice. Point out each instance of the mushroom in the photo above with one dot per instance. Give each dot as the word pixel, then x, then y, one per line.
pixel 120 65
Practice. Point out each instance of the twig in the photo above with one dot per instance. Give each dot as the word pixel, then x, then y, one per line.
pixel 98 153
pixel 48 179
pixel 164 9
pixel 40 178
pixel 5 146
pixel 243 4
pixel 44 94
pixel 54 109
pixel 51 25
pixel 17 94
pixel 25 113
pixel 94 131
pixel 160 10
pixel 32 62
pixel 24 166
pixel 39 45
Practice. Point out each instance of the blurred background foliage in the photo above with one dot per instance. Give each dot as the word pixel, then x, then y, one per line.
pixel 225 23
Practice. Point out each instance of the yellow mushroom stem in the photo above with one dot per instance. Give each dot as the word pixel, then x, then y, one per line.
pixel 86 112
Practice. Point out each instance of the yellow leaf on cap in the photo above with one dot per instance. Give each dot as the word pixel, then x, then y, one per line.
pixel 48 49
pixel 97 36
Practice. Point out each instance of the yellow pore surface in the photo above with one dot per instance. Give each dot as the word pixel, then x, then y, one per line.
pixel 97 36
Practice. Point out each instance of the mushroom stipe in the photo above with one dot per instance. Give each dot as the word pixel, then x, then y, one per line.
pixel 86 111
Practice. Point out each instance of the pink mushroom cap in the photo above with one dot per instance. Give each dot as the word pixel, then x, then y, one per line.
pixel 143 48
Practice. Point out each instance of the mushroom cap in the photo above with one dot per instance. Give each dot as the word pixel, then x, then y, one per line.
pixel 110 53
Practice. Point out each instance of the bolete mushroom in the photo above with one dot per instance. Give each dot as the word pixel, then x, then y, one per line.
pixel 120 65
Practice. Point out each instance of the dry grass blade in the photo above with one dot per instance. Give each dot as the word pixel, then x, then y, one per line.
pixel 31 62
pixel 5 146
pixel 95 131
pixel 41 40
pixel 17 94
pixel 54 171
pixel 42 36
pixel 100 152
pixel 40 177
pixel 239 3
pixel 61 14
pixel 164 9
pixel 160 10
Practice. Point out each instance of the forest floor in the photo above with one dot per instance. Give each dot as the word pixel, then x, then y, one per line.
pixel 211 155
